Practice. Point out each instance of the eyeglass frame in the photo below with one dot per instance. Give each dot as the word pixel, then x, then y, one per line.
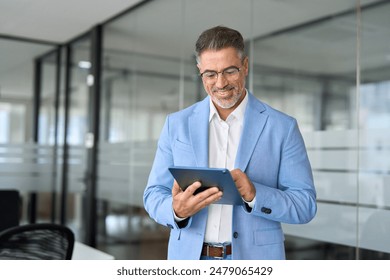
pixel 220 72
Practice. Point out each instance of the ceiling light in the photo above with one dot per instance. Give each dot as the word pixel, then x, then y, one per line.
pixel 85 64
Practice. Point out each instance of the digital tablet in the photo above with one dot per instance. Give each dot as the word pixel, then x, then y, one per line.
pixel 209 177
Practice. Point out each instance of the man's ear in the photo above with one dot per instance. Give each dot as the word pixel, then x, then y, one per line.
pixel 246 65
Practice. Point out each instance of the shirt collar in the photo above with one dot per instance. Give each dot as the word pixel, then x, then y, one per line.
pixel 238 113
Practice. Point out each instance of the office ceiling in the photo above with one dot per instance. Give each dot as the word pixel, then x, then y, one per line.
pixel 60 21
pixel 56 20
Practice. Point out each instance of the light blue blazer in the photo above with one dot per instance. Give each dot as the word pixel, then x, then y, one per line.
pixel 272 154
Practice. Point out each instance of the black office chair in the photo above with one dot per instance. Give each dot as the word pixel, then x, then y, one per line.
pixel 43 241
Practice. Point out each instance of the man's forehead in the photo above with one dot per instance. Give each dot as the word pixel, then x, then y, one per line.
pixel 227 55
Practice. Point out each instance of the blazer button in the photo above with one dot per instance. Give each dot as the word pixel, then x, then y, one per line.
pixel 235 234
pixel 266 210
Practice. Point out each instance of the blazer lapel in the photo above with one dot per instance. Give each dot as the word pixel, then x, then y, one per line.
pixel 254 121
pixel 198 125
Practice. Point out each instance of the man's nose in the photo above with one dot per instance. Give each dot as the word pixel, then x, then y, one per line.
pixel 221 81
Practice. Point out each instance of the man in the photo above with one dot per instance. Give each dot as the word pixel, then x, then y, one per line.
pixel 231 129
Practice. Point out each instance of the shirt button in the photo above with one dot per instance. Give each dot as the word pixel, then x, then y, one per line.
pixel 235 234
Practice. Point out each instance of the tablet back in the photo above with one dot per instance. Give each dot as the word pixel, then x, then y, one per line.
pixel 209 177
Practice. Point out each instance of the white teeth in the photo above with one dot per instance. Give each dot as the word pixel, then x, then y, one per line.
pixel 223 92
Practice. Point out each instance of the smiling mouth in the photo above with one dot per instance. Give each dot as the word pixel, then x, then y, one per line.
pixel 223 91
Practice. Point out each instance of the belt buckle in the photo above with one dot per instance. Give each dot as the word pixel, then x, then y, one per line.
pixel 223 251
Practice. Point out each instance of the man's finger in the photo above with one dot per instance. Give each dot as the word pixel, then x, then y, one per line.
pixel 207 192
pixel 207 200
pixel 192 188
pixel 236 174
pixel 176 188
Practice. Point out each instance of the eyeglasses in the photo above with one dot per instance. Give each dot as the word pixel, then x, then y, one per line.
pixel 231 73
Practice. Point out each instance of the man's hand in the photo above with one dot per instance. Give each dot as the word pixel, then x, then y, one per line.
pixel 186 204
pixel 244 185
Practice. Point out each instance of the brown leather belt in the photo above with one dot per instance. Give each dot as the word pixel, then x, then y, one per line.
pixel 216 251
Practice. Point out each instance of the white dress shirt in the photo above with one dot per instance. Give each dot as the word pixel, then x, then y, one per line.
pixel 224 138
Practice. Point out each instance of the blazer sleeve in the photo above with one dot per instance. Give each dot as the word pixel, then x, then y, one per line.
pixel 294 199
pixel 158 192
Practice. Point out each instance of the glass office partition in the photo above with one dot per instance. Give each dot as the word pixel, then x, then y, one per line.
pixel 140 86
pixel 24 165
pixel 374 133
pixel 310 72
pixel 48 130
pixel 48 96
pixel 17 88
pixel 77 131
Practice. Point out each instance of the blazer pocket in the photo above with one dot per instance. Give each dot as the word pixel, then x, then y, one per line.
pixel 183 146
pixel 267 237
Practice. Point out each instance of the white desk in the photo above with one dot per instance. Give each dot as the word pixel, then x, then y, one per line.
pixel 84 252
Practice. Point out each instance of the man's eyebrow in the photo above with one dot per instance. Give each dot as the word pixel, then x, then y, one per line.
pixel 208 70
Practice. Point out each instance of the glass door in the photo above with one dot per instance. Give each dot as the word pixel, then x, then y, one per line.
pixel 68 102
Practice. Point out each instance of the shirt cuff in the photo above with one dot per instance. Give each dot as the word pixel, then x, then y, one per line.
pixel 251 204
pixel 177 219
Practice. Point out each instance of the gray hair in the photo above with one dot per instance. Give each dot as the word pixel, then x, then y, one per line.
pixel 218 38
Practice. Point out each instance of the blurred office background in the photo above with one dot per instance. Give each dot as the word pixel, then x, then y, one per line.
pixel 80 116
